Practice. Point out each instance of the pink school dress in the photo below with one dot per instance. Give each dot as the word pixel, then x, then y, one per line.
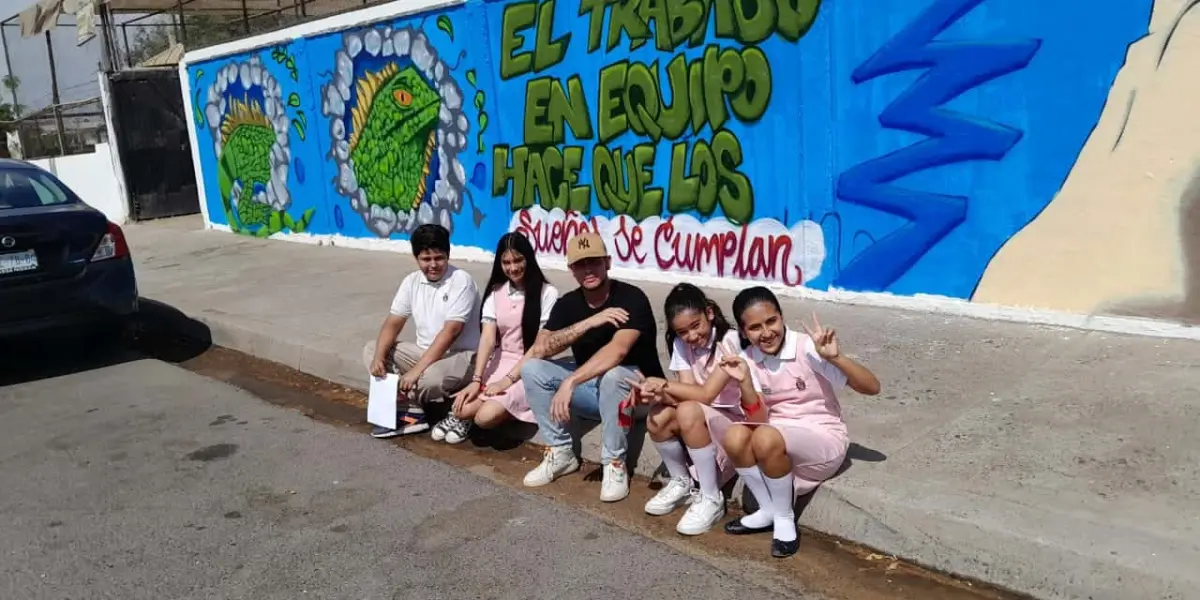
pixel 797 387
pixel 726 408
pixel 508 354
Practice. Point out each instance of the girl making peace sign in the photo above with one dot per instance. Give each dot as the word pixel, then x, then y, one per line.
pixel 689 416
pixel 804 439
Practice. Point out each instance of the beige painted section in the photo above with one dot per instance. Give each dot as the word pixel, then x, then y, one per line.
pixel 1111 238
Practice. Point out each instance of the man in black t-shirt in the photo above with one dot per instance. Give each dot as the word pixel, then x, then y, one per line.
pixel 610 329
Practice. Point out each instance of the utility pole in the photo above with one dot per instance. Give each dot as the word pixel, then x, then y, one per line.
pixel 58 121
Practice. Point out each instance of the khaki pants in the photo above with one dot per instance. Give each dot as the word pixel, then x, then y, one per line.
pixel 443 378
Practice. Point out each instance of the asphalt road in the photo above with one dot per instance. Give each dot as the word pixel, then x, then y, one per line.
pixel 142 480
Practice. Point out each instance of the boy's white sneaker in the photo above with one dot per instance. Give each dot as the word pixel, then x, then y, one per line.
pixel 556 462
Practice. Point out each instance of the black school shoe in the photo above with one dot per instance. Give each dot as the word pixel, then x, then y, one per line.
pixel 780 549
pixel 735 527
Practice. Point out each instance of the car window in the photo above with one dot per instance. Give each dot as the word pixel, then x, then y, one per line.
pixel 30 188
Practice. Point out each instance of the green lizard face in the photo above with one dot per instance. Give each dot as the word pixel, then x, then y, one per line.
pixel 412 95
pixel 393 137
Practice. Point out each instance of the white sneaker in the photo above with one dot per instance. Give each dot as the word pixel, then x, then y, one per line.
pixel 701 515
pixel 676 493
pixel 616 483
pixel 458 431
pixel 556 462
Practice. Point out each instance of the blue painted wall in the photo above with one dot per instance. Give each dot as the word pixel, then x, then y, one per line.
pixel 901 144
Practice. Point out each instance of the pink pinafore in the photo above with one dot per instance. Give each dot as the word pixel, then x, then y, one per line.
pixel 511 349
pixel 726 408
pixel 804 408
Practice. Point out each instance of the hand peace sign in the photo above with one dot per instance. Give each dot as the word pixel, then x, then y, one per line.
pixel 824 339
pixel 732 362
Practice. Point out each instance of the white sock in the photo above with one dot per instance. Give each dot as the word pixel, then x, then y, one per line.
pixel 705 460
pixel 783 495
pixel 674 458
pixel 757 484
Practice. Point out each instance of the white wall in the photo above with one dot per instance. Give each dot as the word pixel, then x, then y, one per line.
pixel 93 178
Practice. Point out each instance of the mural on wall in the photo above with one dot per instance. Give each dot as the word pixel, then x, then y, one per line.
pixel 946 147
pixel 397 126
pixel 247 117
pixel 646 146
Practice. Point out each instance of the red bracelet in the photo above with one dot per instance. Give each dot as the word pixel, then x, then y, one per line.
pixel 753 408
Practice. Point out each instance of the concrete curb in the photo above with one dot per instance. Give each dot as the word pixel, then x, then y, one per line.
pixel 940 528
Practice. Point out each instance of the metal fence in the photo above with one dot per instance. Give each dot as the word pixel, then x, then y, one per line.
pixel 57 130
pixel 198 23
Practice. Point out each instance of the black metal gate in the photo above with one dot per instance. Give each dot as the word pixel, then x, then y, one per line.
pixel 152 138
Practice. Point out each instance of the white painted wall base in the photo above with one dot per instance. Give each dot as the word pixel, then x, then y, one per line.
pixel 93 178
pixel 919 302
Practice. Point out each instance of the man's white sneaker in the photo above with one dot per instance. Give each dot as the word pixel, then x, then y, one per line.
pixel 616 483
pixel 701 515
pixel 676 493
pixel 556 462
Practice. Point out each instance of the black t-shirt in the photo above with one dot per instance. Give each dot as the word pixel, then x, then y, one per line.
pixel 571 308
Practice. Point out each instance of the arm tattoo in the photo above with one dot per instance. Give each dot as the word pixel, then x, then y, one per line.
pixel 558 341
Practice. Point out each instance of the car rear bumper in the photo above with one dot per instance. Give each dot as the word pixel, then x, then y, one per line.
pixel 106 293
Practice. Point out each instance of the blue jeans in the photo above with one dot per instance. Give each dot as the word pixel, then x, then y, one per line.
pixel 599 398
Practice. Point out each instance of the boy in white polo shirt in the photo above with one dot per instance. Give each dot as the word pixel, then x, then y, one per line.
pixel 443 302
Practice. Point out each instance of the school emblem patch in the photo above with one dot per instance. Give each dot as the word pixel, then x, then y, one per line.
pixel 800 385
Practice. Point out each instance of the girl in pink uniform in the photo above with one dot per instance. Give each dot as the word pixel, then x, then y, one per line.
pixel 804 439
pixel 696 409
pixel 516 304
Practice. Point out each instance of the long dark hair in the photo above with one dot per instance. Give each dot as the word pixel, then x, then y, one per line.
pixel 531 316
pixel 687 297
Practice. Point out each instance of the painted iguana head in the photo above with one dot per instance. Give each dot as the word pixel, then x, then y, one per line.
pixel 246 139
pixel 394 136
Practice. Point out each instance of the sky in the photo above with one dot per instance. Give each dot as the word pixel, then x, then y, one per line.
pixel 76 65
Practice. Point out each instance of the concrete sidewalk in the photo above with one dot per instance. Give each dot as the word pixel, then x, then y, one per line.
pixel 1055 462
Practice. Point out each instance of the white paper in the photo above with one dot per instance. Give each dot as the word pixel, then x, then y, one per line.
pixel 381 402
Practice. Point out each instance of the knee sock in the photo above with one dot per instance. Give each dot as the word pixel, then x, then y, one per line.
pixel 674 458
pixel 757 484
pixel 783 495
pixel 705 460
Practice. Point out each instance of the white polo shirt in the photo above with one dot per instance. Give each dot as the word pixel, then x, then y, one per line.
pixel 430 304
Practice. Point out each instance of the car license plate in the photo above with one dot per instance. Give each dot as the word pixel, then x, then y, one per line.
pixel 18 262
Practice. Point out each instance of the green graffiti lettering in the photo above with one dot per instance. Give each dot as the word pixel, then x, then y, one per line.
pixel 705 168
pixel 682 189
pixel 673 119
pixel 539 129
pixel 755 19
pixel 796 17
pixel 606 177
pixel 548 51
pixel 726 22
pixel 594 9
pixel 687 17
pixel 641 164
pixel 562 172
pixel 549 111
pixel 537 188
pixel 734 193
pixel 571 108
pixel 654 13
pixel 504 172
pixel 622 181
pixel 579 196
pixel 642 102
pixel 696 95
pixel 750 100
pixel 623 17
pixel 516 18
pixel 612 120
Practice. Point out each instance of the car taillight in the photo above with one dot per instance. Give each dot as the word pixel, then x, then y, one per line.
pixel 112 245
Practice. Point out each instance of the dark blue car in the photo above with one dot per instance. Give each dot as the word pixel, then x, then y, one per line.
pixel 63 265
